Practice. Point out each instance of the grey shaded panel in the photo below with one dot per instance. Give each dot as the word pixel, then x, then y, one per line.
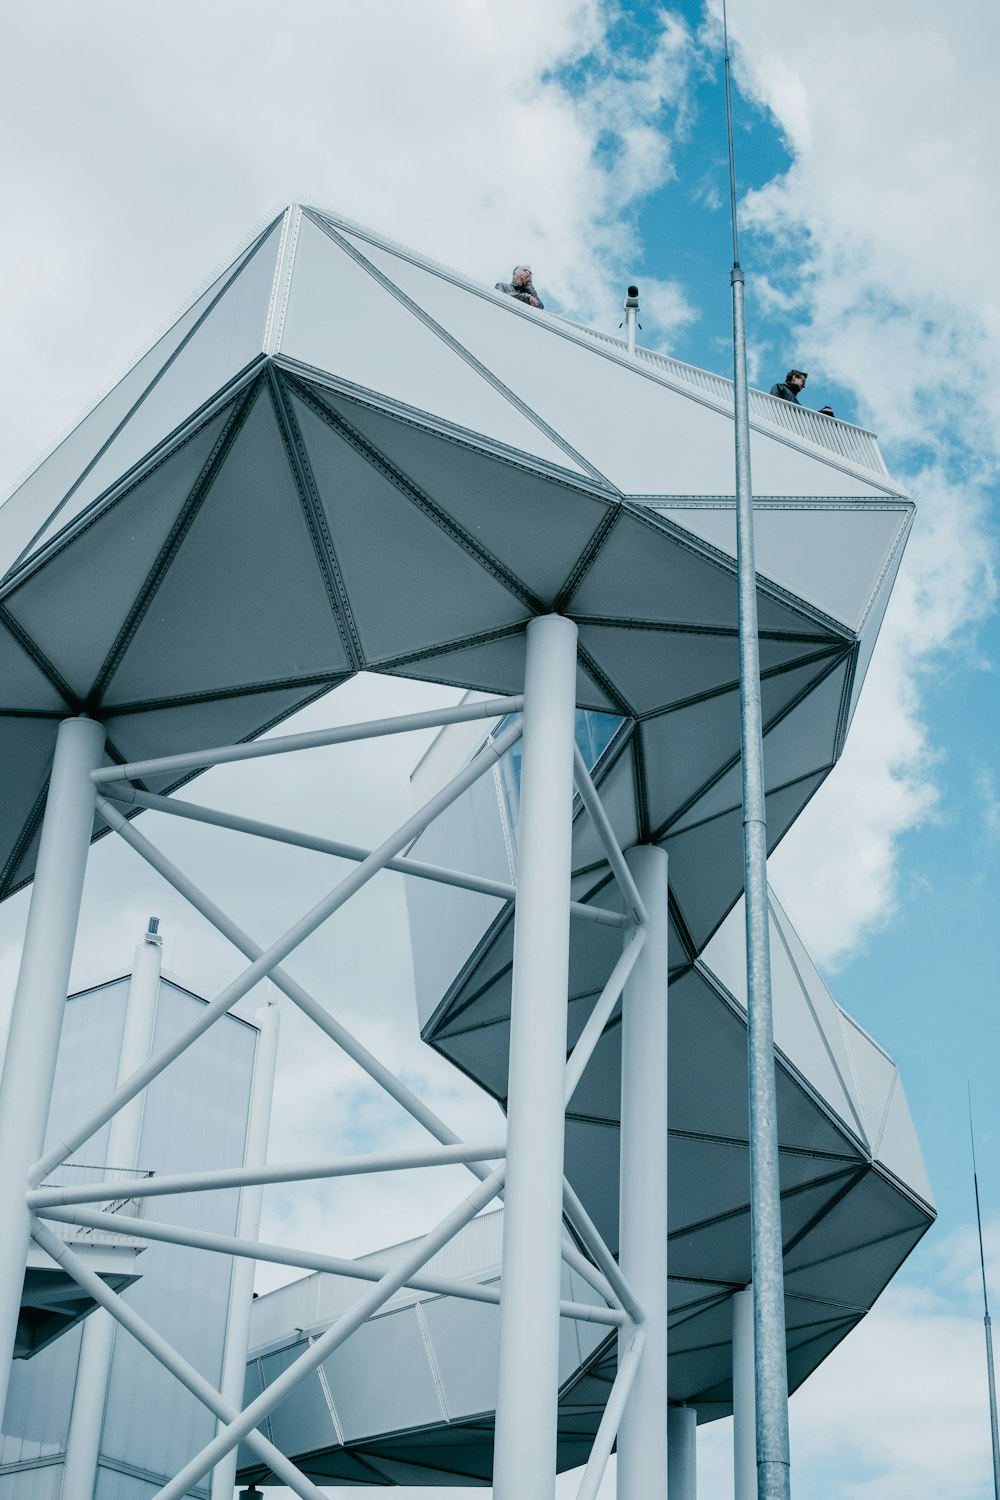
pixel 465 1336
pixel 538 525
pixel 25 685
pixel 26 747
pixel 75 623
pixel 245 578
pixel 302 1423
pixel 370 519
pixel 39 1403
pixel 496 666
pixel 355 1374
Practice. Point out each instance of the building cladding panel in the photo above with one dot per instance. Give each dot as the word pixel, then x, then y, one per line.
pixel 194 1118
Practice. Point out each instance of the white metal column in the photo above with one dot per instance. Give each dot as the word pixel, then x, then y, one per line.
pixel 40 1001
pixel 524 1464
pixel 682 1449
pixel 234 1360
pixel 642 1438
pixel 90 1392
pixel 744 1399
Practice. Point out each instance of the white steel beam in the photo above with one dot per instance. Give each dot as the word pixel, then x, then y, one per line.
pixel 642 1256
pixel 280 949
pixel 524 1464
pixel 619 865
pixel 40 1001
pixel 584 1226
pixel 372 1268
pixel 193 760
pixel 321 1017
pixel 97 1343
pixel 296 839
pixel 601 1013
pixel 234 1354
pixel 220 1178
pixel 631 1360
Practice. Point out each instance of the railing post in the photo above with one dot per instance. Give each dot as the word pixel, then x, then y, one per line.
pixel 524 1464
pixel 642 1438
pixel 40 1001
pixel 84 1441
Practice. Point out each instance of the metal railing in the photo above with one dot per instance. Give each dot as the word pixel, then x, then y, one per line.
pixel 77 1174
pixel 853 444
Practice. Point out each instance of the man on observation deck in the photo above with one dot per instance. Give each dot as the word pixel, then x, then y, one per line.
pixel 790 388
pixel 520 286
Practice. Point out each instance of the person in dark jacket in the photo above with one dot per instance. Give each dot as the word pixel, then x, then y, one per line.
pixel 520 286
pixel 790 388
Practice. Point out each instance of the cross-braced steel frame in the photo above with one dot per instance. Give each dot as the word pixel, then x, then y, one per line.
pixel 526 1169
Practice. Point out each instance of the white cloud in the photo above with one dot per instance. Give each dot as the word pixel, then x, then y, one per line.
pixel 876 247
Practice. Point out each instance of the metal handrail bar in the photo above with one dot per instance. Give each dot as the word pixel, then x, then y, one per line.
pixel 854 444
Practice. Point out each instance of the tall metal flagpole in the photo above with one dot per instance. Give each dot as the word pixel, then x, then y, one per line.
pixel 770 1368
pixel 986 1320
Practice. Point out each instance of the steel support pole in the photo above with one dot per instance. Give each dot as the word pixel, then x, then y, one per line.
pixel 771 1370
pixel 39 1002
pixel 234 1359
pixel 744 1414
pixel 524 1462
pixel 90 1392
pixel 642 1256
pixel 682 1450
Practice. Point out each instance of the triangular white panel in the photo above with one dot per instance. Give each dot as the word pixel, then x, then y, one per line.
pixel 340 320
pixel 899 1148
pixel 870 633
pixel 226 337
pixel 807 1024
pixel 32 503
pixel 831 557
pixel 400 608
pixel 127 538
pixel 875 1074
pixel 572 384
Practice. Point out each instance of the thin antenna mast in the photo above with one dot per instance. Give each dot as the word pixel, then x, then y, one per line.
pixel 986 1318
pixel 770 1363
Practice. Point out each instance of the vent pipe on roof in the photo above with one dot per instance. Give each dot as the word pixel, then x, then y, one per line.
pixel 631 316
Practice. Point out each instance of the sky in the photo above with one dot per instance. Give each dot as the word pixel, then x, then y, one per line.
pixel 142 143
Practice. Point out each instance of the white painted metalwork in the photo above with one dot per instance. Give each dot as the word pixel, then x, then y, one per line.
pixel 524 1464
pixel 345 734
pixel 90 1392
pixel 39 1002
pixel 234 1358
pixel 163 1351
pixel 744 1403
pixel 642 1439
pixel 682 1450
pixel 614 1414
